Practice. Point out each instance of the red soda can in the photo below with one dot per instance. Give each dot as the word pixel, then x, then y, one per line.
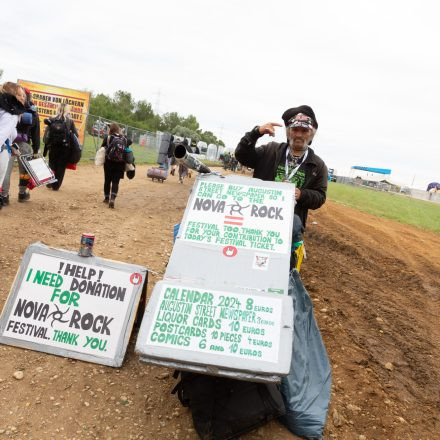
pixel 86 247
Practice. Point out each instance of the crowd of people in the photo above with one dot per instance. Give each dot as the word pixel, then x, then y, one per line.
pixel 20 138
pixel 292 161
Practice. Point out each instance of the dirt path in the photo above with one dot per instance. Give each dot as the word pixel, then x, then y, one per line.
pixel 375 285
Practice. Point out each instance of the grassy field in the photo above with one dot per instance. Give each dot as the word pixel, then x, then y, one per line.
pixel 420 213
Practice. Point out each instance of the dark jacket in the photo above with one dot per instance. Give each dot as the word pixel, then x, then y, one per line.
pixel 265 161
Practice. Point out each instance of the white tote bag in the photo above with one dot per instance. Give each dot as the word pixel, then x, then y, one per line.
pixel 100 157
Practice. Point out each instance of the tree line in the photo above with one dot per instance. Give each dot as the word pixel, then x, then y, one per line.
pixel 123 108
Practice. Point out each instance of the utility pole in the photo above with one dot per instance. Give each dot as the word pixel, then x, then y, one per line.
pixel 156 110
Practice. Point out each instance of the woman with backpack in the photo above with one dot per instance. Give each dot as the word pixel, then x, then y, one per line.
pixel 12 99
pixel 58 140
pixel 117 154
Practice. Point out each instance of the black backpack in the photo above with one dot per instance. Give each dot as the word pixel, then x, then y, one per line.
pixel 223 409
pixel 58 133
pixel 116 148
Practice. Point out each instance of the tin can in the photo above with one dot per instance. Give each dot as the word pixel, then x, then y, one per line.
pixel 86 246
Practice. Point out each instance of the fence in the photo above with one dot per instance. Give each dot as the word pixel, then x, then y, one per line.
pixel 145 143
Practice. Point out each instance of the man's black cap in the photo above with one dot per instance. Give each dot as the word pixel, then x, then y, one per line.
pixel 304 109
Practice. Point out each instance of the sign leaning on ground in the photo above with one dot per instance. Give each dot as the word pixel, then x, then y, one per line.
pixel 64 304
pixel 47 98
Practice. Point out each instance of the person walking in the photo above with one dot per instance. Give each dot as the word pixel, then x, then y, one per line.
pixel 12 100
pixel 292 161
pixel 116 152
pixel 58 141
pixel 28 132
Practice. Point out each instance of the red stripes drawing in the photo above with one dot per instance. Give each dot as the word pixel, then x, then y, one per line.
pixel 231 220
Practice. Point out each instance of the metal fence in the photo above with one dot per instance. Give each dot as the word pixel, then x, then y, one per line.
pixel 145 143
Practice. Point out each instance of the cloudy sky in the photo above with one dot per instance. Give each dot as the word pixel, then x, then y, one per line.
pixel 370 69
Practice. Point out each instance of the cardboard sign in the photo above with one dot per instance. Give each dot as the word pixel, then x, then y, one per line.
pixel 238 232
pixel 222 308
pixel 213 328
pixel 210 321
pixel 239 215
pixel 72 306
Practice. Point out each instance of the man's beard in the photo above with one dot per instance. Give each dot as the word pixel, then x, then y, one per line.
pixel 298 147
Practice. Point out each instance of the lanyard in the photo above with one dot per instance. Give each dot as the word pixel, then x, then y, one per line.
pixel 293 172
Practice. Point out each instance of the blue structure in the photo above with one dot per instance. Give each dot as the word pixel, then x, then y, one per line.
pixel 372 170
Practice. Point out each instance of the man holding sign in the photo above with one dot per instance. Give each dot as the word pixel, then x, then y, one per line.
pixel 292 161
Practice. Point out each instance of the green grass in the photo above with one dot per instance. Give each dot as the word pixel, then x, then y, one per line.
pixel 420 213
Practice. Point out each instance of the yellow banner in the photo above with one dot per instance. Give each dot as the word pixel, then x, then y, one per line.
pixel 47 98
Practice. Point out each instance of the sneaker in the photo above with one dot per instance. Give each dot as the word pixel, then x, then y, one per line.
pixel 24 197
pixel 105 200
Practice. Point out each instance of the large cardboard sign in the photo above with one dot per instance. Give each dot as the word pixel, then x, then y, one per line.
pixel 47 98
pixel 238 232
pixel 223 306
pixel 72 306
pixel 239 215
pixel 249 333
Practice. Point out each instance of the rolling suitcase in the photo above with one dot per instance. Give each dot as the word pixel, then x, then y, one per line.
pixel 160 174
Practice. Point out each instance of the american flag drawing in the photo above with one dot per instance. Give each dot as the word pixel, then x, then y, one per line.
pixel 233 220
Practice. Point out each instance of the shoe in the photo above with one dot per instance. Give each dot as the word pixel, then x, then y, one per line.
pixel 105 200
pixel 4 200
pixel 24 197
pixel 172 172
pixel 111 204
pixel 49 186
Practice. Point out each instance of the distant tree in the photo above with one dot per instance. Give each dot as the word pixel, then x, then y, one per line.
pixel 124 109
pixel 170 121
pixel 186 132
pixel 143 111
pixel 191 123
pixel 209 138
pixel 101 105
pixel 124 104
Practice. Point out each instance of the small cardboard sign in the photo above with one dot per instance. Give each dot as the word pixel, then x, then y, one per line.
pixel 237 231
pixel 231 330
pixel 240 215
pixel 64 304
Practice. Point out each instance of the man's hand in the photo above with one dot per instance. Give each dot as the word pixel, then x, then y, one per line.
pixel 269 128
pixel 297 193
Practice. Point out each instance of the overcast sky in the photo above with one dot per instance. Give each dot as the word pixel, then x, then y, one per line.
pixel 369 69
